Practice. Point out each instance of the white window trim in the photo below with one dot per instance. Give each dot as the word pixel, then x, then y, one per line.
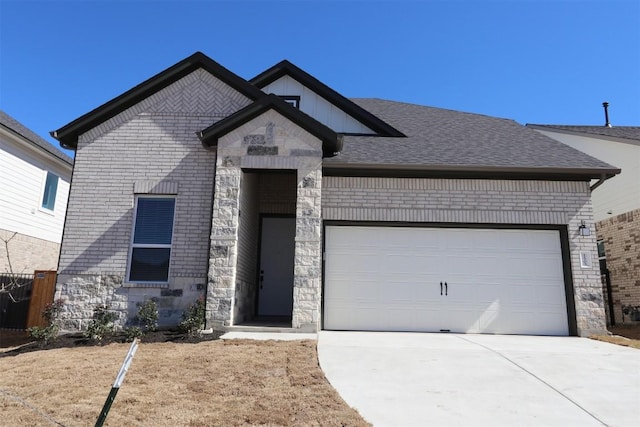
pixel 155 283
pixel 42 188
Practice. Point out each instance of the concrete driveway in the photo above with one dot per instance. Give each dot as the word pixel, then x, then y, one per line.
pixel 414 379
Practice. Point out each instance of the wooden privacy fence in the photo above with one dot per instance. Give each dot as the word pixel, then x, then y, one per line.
pixel 23 308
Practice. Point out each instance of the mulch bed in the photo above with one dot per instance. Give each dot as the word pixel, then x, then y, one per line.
pixel 14 342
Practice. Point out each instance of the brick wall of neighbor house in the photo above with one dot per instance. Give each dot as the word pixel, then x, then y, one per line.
pixel 150 148
pixel 27 253
pixel 480 201
pixel 621 236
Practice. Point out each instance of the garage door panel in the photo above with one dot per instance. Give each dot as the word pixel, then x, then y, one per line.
pixel 499 281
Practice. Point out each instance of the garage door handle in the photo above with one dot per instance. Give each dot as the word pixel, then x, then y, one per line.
pixel 446 289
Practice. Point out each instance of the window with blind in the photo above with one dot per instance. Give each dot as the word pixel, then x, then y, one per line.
pixel 152 238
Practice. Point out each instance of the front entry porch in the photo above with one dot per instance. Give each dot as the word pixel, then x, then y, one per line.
pixel 265 256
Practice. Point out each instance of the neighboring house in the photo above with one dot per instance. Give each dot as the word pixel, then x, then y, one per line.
pixel 321 212
pixel 616 206
pixel 34 185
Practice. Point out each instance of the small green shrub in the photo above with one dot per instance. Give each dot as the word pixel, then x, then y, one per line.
pixel 132 332
pixel 101 324
pixel 147 318
pixel 193 318
pixel 48 334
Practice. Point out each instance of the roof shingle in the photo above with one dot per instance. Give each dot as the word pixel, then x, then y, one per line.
pixel 440 139
pixel 625 132
pixel 12 124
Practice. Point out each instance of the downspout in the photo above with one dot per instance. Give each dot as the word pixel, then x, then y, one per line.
pixel 601 181
pixel 607 278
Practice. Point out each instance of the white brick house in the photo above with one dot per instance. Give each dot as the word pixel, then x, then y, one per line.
pixel 281 200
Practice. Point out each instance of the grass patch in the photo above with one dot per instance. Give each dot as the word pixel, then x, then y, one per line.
pixel 225 383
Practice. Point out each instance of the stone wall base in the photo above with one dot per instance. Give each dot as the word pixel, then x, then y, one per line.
pixel 83 292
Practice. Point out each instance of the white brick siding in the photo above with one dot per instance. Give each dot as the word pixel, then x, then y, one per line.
pixel 150 147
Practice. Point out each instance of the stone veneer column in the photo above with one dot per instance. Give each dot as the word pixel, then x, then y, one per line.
pixel 223 253
pixel 308 252
pixel 587 285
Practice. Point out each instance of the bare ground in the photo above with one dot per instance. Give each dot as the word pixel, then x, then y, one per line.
pixel 211 383
pixel 626 335
pixel 176 382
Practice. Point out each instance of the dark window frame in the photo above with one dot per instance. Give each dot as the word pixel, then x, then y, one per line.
pixel 293 100
pixel 143 245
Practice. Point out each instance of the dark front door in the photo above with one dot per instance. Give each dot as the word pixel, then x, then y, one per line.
pixel 277 250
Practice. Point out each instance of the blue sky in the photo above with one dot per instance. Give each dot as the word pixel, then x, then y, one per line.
pixel 533 61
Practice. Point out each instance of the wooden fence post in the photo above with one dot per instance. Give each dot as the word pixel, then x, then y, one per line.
pixel 42 291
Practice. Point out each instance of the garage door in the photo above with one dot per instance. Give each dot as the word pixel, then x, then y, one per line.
pixel 444 279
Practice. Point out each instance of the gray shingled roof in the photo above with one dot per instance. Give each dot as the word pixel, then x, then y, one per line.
pixel 16 127
pixel 440 139
pixel 631 133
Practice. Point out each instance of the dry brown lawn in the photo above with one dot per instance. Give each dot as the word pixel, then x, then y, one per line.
pixel 214 383
pixel 627 335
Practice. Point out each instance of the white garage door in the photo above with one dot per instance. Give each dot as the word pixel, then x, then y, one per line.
pixel 444 279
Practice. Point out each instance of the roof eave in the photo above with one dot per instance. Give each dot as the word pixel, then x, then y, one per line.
pixel 554 129
pixel 66 163
pixel 464 171
pixel 68 134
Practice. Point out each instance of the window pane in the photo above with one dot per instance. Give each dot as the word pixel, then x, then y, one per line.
pixel 150 264
pixel 601 252
pixel 154 221
pixel 50 190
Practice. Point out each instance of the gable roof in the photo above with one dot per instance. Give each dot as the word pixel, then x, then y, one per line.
pixel 365 117
pixel 630 133
pixel 68 134
pixel 445 142
pixel 411 139
pixel 331 142
pixel 14 126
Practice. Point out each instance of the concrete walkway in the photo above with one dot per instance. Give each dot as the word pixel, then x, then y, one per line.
pixel 264 336
pixel 413 379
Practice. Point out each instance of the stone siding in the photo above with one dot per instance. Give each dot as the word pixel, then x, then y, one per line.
pixel 27 253
pixel 621 236
pixel 481 202
pixel 151 148
pixel 283 146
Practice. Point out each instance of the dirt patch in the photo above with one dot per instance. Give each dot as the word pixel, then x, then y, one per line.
pixel 226 383
pixel 626 335
pixel 14 342
pixel 629 331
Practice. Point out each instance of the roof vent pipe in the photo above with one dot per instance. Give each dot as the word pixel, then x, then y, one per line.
pixel 606 114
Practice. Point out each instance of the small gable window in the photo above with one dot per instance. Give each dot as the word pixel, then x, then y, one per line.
pixel 294 100
pixel 50 191
pixel 152 238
